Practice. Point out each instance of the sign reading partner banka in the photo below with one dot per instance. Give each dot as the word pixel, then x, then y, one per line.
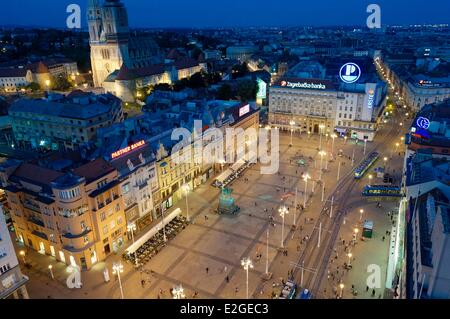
pixel 127 149
pixel 303 85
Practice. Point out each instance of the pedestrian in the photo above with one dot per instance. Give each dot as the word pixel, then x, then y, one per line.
pixel 236 290
pixel 367 288
pixel 384 238
pixel 373 292
pixel 207 270
pixel 227 279
pixel 143 283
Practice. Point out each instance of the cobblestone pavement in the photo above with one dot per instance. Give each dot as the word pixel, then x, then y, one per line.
pixel 205 257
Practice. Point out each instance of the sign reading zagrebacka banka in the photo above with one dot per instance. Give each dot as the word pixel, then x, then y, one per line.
pixel 303 85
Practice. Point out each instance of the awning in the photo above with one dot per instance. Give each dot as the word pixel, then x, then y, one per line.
pixel 152 232
pixel 222 177
pixel 238 165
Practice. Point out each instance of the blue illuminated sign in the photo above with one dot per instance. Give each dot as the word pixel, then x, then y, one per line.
pixel 350 72
pixel 423 122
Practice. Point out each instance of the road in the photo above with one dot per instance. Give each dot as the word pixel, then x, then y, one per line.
pixel 315 257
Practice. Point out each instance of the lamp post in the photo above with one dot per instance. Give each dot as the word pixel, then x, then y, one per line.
pixel 333 136
pixel 178 292
pixel 117 269
pixel 283 212
pixel 361 212
pixel 349 259
pixel 291 123
pixel 355 234
pixel 47 84
pixel 365 146
pixel 385 159
pixel 370 179
pixel 295 207
pixel 186 190
pixel 247 264
pixel 321 127
pixel 342 290
pixel 322 154
pixel 305 178
pixel 50 268
pixel 132 228
pixel 22 253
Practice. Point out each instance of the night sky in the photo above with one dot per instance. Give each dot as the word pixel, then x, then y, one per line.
pixel 226 13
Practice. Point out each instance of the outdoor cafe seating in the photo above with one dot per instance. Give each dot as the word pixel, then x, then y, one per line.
pixel 155 244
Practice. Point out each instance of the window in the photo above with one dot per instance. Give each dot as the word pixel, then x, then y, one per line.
pixel 126 188
pixel 105 230
pixel 102 216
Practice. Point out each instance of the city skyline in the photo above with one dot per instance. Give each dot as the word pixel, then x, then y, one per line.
pixel 251 13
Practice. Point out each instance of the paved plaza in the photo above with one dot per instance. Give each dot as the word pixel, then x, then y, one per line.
pixel 205 258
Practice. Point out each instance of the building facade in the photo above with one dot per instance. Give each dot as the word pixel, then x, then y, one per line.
pixel 12 281
pixel 62 122
pixel 76 215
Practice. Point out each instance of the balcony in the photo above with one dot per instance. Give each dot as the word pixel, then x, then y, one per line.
pixel 75 236
pixel 36 221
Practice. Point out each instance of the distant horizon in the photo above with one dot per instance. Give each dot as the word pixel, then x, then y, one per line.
pixel 204 14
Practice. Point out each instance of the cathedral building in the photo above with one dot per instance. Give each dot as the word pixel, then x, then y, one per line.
pixel 124 61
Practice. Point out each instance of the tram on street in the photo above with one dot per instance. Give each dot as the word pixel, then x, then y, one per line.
pixel 368 162
pixel 382 190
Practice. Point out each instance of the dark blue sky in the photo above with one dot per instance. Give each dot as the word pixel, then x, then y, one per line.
pixel 206 13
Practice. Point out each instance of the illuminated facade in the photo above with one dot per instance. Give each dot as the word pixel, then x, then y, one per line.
pixel 76 216
pixel 62 122
pixel 12 281
pixel 320 106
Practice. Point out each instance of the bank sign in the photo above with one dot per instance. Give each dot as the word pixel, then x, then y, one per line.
pixel 303 85
pixel 350 72
pixel 127 149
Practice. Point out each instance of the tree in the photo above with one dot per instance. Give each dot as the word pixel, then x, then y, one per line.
pixel 33 87
pixel 240 70
pixel 225 92
pixel 61 83
pixel 247 90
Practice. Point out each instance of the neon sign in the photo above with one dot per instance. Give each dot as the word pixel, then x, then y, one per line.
pixel 350 72
pixel 371 99
pixel 127 149
pixel 244 110
pixel 423 122
pixel 304 85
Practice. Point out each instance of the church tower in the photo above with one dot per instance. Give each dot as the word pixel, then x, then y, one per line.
pixel 109 37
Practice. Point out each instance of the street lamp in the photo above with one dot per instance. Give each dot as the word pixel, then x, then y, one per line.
pixel 355 233
pixel 385 159
pixel 361 212
pixel 247 264
pixel 305 178
pixel 283 211
pixel 333 136
pixel 117 268
pixel 131 229
pixel 322 154
pixel 321 127
pixel 342 289
pixel 178 292
pixel 349 259
pixel 291 123
pixel 365 146
pixel 22 253
pixel 186 190
pixel 370 179
pixel 50 268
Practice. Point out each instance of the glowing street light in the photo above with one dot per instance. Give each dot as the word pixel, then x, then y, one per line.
pixel 322 154
pixel 350 255
pixel 117 269
pixel 22 253
pixel 305 178
pixel 50 268
pixel 355 234
pixel 291 123
pixel 333 136
pixel 186 190
pixel 321 128
pixel 283 212
pixel 342 289
pixel 361 212
pixel 178 292
pixel 131 228
pixel 247 264
pixel 370 179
